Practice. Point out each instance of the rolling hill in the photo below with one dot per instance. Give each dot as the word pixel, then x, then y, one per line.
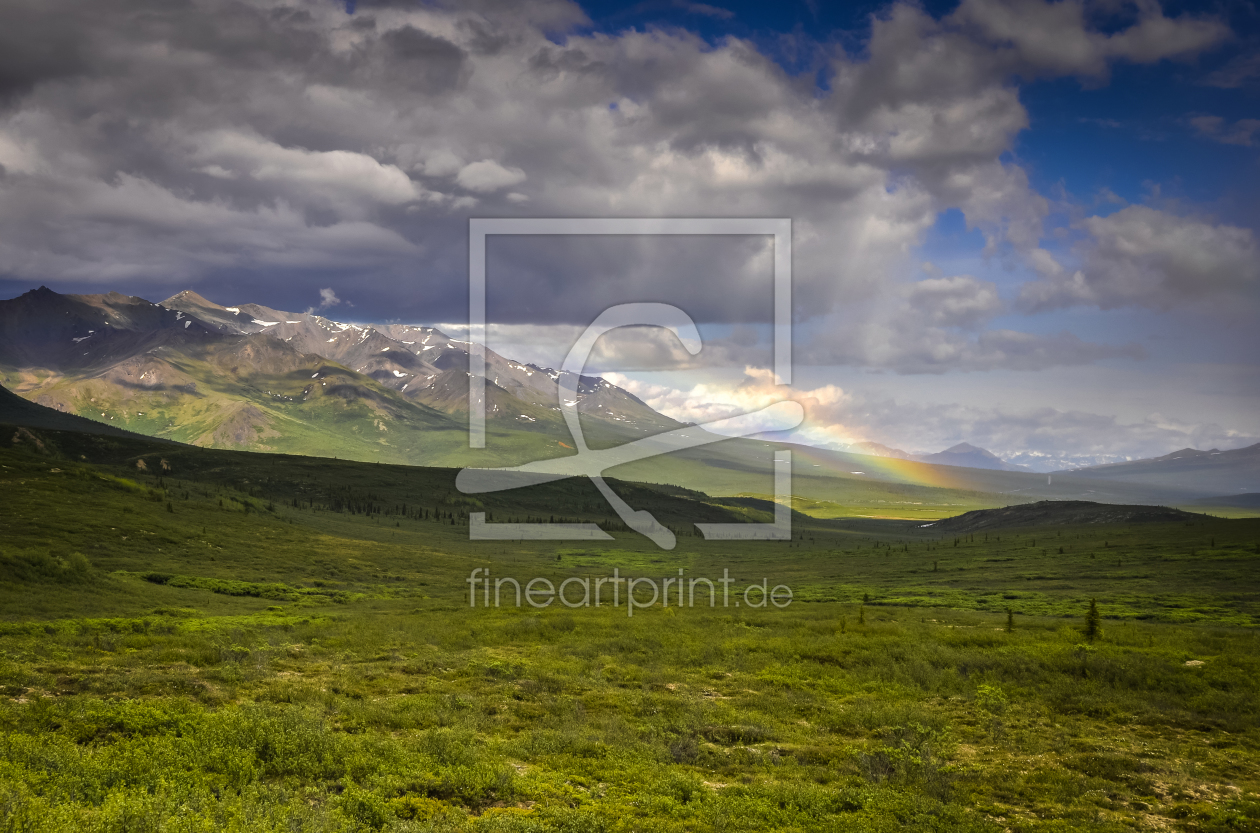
pixel 1060 513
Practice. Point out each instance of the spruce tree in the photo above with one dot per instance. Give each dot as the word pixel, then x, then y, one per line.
pixel 1093 622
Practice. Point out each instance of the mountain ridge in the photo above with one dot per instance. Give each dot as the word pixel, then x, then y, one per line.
pixel 969 456
pixel 254 378
pixel 1233 470
pixel 398 356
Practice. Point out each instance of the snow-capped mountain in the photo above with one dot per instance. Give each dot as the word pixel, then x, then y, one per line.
pixel 248 376
pixel 427 366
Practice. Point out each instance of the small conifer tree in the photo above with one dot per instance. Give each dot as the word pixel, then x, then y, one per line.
pixel 1093 622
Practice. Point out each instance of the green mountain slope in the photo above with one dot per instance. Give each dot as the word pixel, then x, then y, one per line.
pixel 17 412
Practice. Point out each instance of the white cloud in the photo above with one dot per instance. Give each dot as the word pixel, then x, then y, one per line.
pixel 442 163
pixel 1054 38
pixel 958 301
pixel 906 344
pixel 335 175
pixel 1044 438
pixel 705 9
pixel 1241 132
pixel 135 229
pixel 709 402
pixel 487 175
pixel 1143 256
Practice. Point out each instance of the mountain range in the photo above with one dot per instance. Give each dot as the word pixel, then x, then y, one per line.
pixel 255 378
pixel 1236 471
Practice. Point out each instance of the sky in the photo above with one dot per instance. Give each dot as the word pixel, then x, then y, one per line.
pixel 1026 225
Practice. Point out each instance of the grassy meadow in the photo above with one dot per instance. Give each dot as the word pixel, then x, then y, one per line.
pixel 248 642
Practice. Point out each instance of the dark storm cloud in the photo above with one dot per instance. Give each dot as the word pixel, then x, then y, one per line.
pixel 282 148
pixel 729 279
pixel 421 60
pixel 36 46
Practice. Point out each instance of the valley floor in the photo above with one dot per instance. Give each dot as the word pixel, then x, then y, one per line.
pixel 214 648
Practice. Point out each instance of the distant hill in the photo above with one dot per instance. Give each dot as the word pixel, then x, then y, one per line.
pixel 964 455
pixel 880 450
pixel 1212 471
pixel 1058 513
pixel 1251 500
pixel 969 456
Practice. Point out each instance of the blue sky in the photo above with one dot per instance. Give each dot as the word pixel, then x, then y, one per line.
pixel 1124 135
pixel 1027 225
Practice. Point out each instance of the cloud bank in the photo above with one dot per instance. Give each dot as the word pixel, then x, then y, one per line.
pixel 225 140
